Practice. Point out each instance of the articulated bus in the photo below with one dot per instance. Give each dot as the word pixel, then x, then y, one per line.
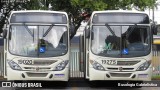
pixel 36 46
pixel 118 46
pixel 156 38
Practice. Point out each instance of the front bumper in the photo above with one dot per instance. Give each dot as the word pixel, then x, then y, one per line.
pixel 117 75
pixel 35 75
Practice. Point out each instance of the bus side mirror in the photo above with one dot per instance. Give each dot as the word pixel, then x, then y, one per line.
pixel 154 29
pixel 4 34
pixel 72 29
pixel 92 35
pixel 87 33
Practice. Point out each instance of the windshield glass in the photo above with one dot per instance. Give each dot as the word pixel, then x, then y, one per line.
pixel 38 41
pixel 121 41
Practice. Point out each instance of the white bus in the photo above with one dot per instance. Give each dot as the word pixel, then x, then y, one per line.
pixel 118 46
pixel 37 45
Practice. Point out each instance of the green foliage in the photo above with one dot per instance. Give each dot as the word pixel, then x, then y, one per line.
pixel 129 4
pixel 143 4
pixel 78 10
pixel 35 5
pixel 92 4
pixel 156 77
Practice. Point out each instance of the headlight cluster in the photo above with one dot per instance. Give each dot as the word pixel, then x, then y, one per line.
pixel 144 66
pixel 14 65
pixel 61 65
pixel 96 65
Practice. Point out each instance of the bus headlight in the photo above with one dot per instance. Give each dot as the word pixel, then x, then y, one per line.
pixel 144 66
pixel 14 65
pixel 96 65
pixel 61 65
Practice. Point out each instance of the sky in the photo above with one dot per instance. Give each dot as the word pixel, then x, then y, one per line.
pixel 156 13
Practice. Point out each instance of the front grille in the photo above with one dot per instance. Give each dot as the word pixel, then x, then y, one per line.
pixel 112 68
pixel 127 62
pixel 123 69
pixel 120 74
pixel 39 68
pixel 44 62
pixel 128 68
pixel 37 74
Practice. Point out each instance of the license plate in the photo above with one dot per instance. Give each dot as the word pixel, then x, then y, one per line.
pixel 109 62
pixel 142 75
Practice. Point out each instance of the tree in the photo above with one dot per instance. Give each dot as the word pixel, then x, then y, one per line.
pixel 78 10
pixel 6 7
pixel 35 5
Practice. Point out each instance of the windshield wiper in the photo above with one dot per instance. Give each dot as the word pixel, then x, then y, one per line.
pixel 48 30
pixel 110 29
pixel 29 31
pixel 131 30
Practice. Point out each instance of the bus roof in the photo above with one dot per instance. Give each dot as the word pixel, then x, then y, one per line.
pixel 119 11
pixel 119 16
pixel 37 11
pixel 45 11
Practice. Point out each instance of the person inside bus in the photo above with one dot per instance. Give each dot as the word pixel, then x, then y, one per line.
pixel 137 39
pixel 45 44
pixel 112 42
pixel 42 43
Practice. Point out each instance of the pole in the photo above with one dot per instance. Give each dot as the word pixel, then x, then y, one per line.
pixel 153 13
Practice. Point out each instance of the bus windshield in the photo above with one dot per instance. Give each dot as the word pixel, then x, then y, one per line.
pixel 38 40
pixel 121 41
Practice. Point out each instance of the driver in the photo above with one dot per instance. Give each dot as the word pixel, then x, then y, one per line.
pixel 42 43
pixel 113 42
